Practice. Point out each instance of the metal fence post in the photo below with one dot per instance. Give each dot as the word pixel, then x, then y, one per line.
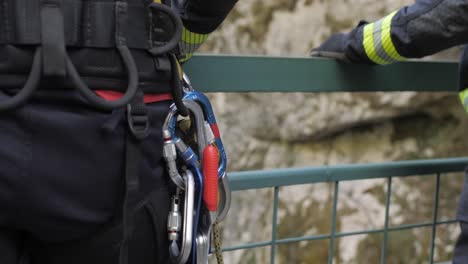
pixel 274 226
pixel 333 226
pixel 434 217
pixel 383 255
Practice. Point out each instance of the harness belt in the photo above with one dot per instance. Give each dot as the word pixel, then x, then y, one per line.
pixel 118 45
pixel 87 24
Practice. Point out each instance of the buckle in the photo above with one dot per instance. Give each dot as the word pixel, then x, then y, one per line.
pixel 165 29
pixel 138 121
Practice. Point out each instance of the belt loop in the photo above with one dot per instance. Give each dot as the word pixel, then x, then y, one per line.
pixel 53 38
pixel 121 18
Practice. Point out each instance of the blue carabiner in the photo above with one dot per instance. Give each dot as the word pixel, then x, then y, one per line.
pixel 201 99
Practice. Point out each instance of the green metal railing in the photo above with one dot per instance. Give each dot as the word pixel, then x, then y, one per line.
pixel 270 74
pixel 336 174
pixel 211 73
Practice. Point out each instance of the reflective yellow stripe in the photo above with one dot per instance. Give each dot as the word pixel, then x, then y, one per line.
pixel 463 97
pixel 377 41
pixel 187 56
pixel 368 42
pixel 193 38
pixel 387 42
pixel 157 1
pixel 191 42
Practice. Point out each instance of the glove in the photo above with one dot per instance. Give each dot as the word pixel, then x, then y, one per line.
pixel 333 47
pixel 344 47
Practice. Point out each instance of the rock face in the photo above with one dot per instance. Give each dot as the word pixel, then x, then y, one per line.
pixel 295 130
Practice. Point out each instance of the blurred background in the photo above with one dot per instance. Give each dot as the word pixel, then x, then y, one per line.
pixel 266 131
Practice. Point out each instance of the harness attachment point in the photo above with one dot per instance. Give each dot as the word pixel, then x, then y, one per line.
pixel 138 121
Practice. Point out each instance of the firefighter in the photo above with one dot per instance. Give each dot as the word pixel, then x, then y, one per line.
pixel 414 31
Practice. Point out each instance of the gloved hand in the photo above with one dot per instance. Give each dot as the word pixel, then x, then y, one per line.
pixel 345 47
pixel 333 47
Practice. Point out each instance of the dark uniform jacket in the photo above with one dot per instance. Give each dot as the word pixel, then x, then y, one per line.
pixel 201 17
pixel 414 31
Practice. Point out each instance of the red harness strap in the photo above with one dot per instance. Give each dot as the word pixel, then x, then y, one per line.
pixel 149 98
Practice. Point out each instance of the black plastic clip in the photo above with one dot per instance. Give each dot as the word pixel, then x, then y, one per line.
pixel 138 120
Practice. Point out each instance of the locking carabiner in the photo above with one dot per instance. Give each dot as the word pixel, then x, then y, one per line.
pixel 201 99
pixel 182 254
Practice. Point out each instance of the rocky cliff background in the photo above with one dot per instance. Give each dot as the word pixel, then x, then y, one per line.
pixel 296 130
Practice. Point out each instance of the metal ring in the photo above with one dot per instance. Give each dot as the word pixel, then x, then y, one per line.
pixel 99 102
pixel 31 85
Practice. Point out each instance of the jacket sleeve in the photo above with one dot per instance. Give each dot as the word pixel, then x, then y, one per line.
pixel 200 18
pixel 424 28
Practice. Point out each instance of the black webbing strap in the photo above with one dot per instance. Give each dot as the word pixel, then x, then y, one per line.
pixel 176 83
pixel 87 24
pixel 5 31
pixel 121 16
pixel 52 39
pixel 138 130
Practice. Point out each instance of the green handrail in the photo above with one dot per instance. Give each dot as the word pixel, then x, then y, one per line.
pixel 295 176
pixel 218 73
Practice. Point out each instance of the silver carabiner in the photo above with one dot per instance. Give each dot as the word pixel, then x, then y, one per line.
pixel 181 256
pixel 205 228
pixel 224 197
pixel 187 84
pixel 170 156
pixel 203 237
pixel 203 247
pixel 169 148
pixel 197 112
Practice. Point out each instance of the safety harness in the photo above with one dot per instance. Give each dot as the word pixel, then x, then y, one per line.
pixel 121 45
pixel 128 46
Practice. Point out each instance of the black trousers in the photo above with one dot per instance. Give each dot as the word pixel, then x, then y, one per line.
pixel 147 245
pixel 62 182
